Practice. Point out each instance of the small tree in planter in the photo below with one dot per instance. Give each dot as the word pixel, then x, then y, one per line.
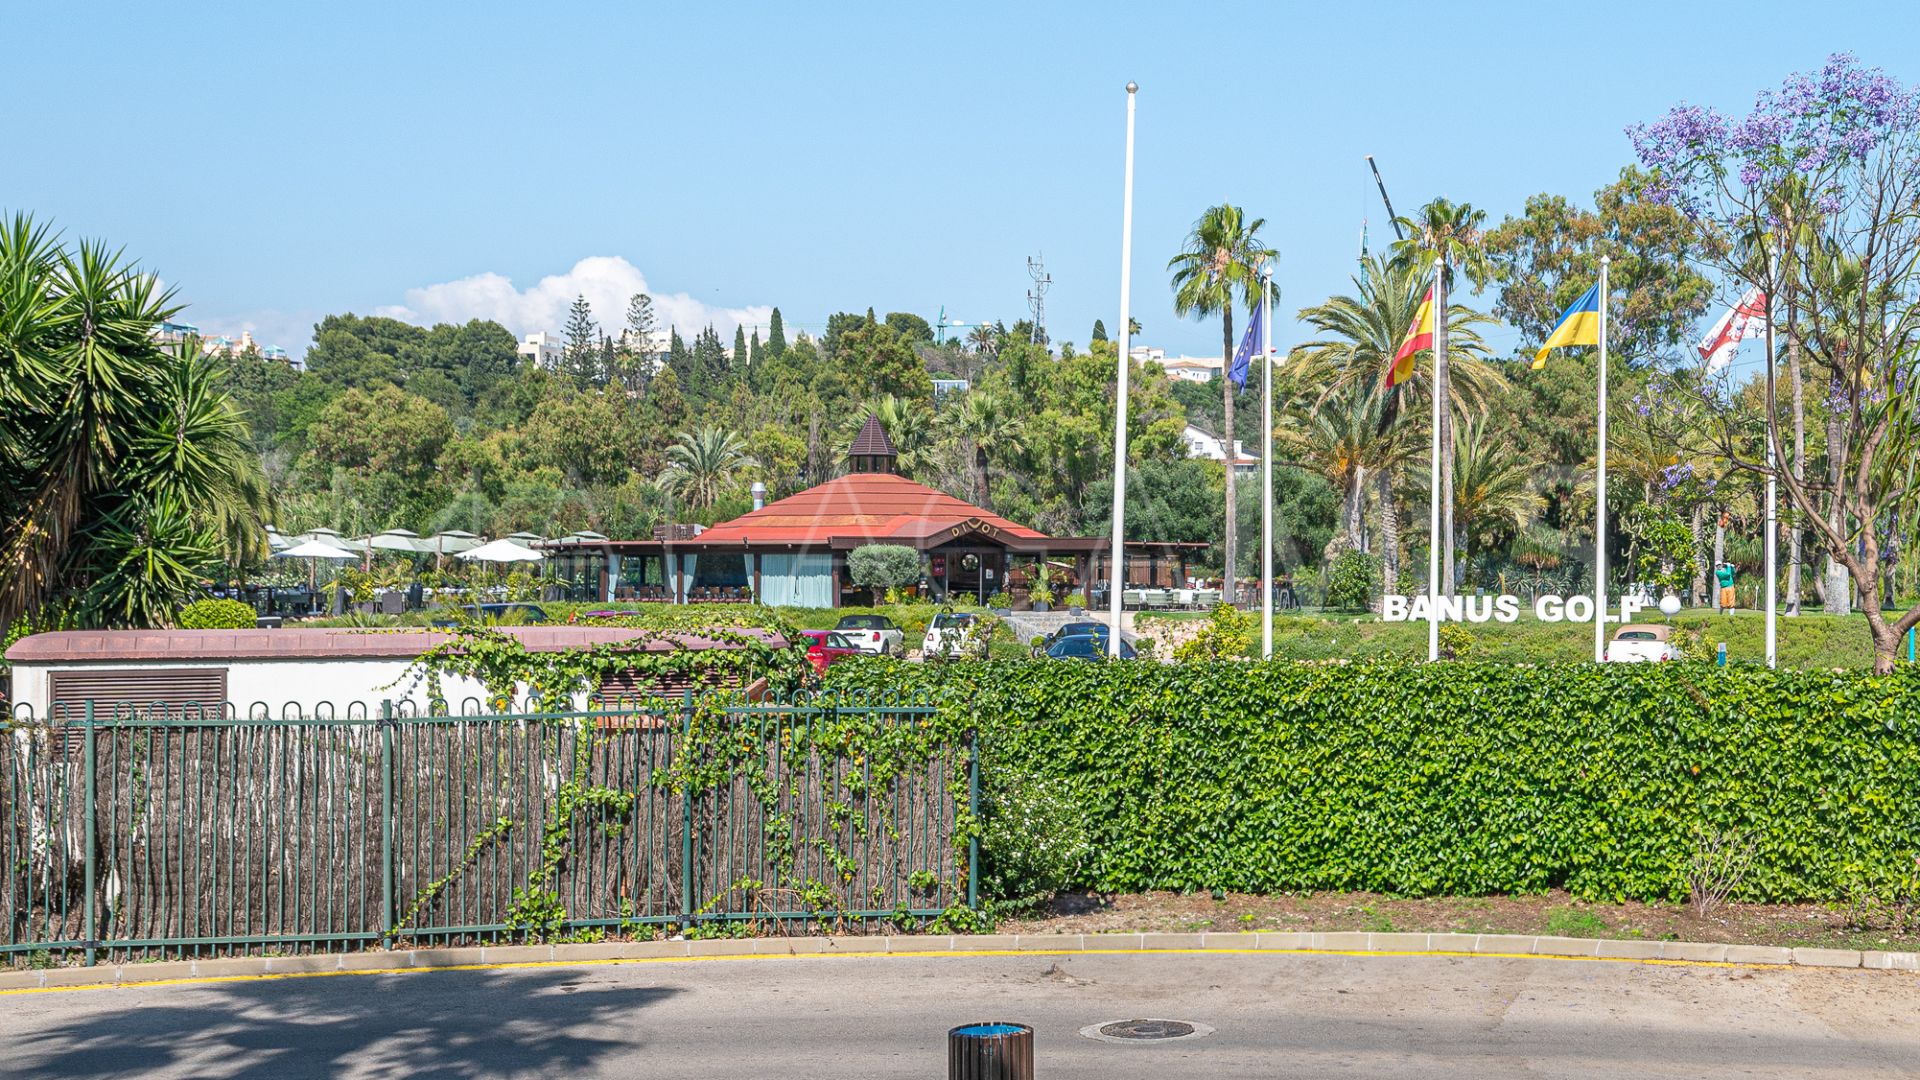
pixel 881 567
pixel 1041 586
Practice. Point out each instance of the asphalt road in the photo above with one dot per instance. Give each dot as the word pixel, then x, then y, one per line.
pixel 858 1016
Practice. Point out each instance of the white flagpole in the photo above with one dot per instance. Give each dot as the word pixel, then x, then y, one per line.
pixel 1266 462
pixel 1600 491
pixel 1773 490
pixel 1117 555
pixel 1433 530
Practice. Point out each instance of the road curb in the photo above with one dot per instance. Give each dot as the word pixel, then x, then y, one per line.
pixel 1331 943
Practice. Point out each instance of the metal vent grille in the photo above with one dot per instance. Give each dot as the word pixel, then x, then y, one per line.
pixel 177 693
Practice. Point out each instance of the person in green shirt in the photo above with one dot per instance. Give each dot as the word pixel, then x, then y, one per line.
pixel 1724 574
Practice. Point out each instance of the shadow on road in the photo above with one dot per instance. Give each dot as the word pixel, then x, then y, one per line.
pixel 418 1025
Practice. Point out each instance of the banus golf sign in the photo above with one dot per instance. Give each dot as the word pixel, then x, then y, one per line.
pixel 1503 609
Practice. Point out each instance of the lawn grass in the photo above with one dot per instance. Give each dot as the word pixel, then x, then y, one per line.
pixel 1805 641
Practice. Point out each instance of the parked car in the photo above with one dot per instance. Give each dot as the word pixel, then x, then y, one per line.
pixel 1641 643
pixel 826 648
pixel 1072 629
pixel 1086 647
pixel 950 635
pixel 501 614
pixel 874 634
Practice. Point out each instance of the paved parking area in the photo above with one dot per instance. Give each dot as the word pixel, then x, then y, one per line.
pixel 879 1016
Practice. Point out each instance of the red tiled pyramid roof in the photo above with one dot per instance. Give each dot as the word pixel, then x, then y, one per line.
pixel 866 506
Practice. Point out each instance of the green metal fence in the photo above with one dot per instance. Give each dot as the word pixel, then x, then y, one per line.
pixel 130 834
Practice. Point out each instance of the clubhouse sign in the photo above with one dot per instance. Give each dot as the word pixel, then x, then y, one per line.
pixel 1505 609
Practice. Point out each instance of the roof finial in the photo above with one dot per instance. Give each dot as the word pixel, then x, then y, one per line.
pixel 873 450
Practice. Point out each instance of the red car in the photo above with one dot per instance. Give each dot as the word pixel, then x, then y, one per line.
pixel 826 648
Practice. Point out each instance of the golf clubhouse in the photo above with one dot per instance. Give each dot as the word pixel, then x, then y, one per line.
pixel 793 552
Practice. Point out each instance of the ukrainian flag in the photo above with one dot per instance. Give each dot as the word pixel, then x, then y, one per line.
pixel 1579 326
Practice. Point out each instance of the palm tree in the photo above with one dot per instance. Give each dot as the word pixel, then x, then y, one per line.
pixel 122 465
pixel 984 339
pixel 704 464
pixel 193 445
pixel 987 423
pixel 1358 334
pixel 1493 491
pixel 1341 438
pixel 1218 266
pixel 1455 235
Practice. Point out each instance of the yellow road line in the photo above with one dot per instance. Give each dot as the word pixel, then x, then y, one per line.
pixel 199 980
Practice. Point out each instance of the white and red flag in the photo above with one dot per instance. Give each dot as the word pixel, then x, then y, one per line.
pixel 1742 320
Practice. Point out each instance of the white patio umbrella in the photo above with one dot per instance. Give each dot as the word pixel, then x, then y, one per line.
pixel 328 536
pixel 277 540
pixel 402 540
pixel 501 551
pixel 312 551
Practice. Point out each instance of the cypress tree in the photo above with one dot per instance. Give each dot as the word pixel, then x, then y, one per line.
pixel 741 357
pixel 776 336
pixel 680 362
pixel 1099 330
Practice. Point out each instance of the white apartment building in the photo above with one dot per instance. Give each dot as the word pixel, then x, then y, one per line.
pixel 543 349
pixel 1197 369
pixel 1202 443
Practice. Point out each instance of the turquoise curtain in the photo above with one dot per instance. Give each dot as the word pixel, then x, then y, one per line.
pixel 797 580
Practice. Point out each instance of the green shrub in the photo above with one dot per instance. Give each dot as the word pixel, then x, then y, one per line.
pixel 880 567
pixel 1033 838
pixel 1228 635
pixel 1457 779
pixel 216 615
pixel 1355 581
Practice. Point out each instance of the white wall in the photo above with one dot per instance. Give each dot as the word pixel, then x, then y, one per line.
pixel 288 687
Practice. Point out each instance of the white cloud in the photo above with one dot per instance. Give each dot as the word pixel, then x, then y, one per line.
pixel 607 281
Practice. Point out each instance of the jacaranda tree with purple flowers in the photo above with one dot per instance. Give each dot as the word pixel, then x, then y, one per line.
pixel 1814 198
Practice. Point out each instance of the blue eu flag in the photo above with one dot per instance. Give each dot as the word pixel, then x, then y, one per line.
pixel 1249 344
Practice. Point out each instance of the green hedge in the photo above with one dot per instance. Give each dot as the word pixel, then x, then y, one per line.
pixel 1454 778
pixel 217 615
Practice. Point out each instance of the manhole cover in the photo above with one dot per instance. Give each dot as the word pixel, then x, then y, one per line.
pixel 1139 1031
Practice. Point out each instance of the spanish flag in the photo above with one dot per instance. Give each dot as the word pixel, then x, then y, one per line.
pixel 1419 336
pixel 1579 326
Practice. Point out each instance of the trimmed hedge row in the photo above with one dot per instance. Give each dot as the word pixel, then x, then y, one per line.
pixel 1431 779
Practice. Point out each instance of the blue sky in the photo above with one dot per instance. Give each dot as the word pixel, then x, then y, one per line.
pixel 281 161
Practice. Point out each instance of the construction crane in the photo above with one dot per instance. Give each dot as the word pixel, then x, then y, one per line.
pixel 1398 233
pixel 1391 411
pixel 941 325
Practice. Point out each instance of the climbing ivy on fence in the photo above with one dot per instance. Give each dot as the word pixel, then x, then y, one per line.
pixel 1453 779
pixel 723 740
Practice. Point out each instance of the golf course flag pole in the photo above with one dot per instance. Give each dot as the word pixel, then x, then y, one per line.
pixel 1266 461
pixel 1117 555
pixel 1600 488
pixel 1439 314
pixel 1585 323
pixel 1773 489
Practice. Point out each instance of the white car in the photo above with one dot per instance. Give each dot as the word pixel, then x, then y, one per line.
pixel 950 635
pixel 1637 643
pixel 875 635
